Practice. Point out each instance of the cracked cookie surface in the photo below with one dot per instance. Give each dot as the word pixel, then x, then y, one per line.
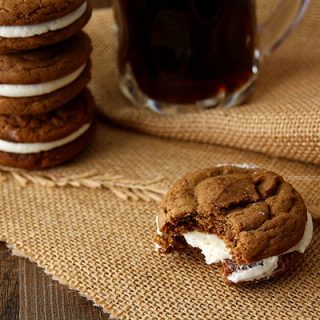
pixel 254 211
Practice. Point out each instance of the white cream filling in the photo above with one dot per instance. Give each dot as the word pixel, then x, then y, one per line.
pixel 307 237
pixel 157 247
pixel 256 271
pixel 29 148
pixel 41 28
pixel 239 165
pixel 215 250
pixel 159 233
pixel 38 89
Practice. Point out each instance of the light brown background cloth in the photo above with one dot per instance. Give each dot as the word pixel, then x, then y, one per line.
pixel 282 118
pixel 101 245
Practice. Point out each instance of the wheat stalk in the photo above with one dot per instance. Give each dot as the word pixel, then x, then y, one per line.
pixel 123 188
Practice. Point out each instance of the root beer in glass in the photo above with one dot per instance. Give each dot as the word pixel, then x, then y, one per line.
pixel 177 54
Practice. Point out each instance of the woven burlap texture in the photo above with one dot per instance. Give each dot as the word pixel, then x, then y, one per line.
pixel 282 118
pixel 101 245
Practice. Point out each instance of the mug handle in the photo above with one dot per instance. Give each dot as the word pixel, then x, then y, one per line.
pixel 287 16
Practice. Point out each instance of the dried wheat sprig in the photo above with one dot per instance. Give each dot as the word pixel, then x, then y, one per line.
pixel 123 188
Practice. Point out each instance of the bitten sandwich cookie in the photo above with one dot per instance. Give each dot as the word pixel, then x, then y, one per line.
pixel 45 140
pixel 41 80
pixel 249 221
pixel 29 24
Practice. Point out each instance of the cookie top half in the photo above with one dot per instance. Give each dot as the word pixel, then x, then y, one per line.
pixel 255 212
pixel 45 64
pixel 27 12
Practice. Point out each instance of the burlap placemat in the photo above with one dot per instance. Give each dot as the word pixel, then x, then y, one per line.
pixel 282 118
pixel 101 245
pixel 79 224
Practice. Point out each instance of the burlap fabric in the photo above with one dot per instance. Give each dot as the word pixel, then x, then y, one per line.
pixel 74 221
pixel 281 119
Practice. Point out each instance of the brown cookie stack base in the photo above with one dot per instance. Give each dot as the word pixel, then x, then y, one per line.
pixel 47 159
pixel 55 56
pixel 60 123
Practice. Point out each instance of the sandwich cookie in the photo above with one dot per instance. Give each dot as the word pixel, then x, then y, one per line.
pixel 41 80
pixel 46 140
pixel 249 221
pixel 29 24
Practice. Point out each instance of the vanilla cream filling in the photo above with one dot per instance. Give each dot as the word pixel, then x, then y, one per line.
pixel 38 89
pixel 306 239
pixel 239 165
pixel 41 28
pixel 215 250
pixel 29 148
pixel 159 233
pixel 256 271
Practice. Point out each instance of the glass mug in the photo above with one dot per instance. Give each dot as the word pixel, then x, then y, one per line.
pixel 177 55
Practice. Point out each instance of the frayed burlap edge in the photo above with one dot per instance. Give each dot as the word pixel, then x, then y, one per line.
pixel 17 253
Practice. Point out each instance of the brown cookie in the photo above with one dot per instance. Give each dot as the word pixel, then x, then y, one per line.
pixel 45 140
pixel 45 64
pixel 47 102
pixel 246 217
pixel 37 69
pixel 24 12
pixel 26 25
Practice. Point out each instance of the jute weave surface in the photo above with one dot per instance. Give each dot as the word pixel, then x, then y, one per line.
pixel 87 236
pixel 282 118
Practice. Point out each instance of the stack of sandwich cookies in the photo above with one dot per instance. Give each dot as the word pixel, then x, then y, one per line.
pixel 46 112
pixel 251 222
pixel 41 80
pixel 30 24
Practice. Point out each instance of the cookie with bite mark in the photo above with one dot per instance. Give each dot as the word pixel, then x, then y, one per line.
pixel 249 221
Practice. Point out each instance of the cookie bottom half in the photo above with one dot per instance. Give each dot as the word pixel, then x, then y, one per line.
pixel 49 158
pixel 286 263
